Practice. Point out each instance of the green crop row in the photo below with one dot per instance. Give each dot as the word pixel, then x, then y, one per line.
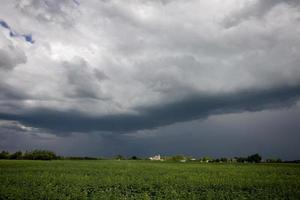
pixel 105 179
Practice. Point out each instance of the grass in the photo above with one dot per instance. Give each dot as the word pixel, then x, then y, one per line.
pixel 108 179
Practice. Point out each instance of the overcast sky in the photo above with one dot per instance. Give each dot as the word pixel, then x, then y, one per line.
pixel 141 77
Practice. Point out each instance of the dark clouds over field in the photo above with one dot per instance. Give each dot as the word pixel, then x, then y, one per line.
pixel 143 77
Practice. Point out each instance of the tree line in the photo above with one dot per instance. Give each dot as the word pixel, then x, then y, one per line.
pixel 50 155
pixel 29 155
pixel 39 155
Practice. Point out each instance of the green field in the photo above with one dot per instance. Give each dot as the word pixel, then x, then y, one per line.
pixel 104 179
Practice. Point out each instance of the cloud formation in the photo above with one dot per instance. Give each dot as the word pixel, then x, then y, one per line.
pixel 124 66
pixel 195 107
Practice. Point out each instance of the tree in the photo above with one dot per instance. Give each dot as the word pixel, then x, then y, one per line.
pixel 40 155
pixel 16 156
pixel 206 159
pixel 274 160
pixel 178 158
pixel 28 155
pixel 4 155
pixel 119 157
pixel 134 158
pixel 256 158
pixel 241 159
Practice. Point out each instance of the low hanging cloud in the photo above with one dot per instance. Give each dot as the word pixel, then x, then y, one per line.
pixel 194 107
pixel 123 66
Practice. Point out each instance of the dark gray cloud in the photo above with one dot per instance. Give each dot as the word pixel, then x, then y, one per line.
pixel 191 108
pixel 272 133
pixel 8 92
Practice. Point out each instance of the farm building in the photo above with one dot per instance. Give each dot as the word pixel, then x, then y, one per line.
pixel 156 157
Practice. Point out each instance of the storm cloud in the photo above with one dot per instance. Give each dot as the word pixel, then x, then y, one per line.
pixel 124 67
pixel 188 109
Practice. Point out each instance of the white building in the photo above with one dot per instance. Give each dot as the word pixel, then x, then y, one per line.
pixel 156 157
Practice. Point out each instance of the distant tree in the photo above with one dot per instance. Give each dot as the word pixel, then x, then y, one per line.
pixel 40 155
pixel 241 159
pixel 119 157
pixel 178 158
pixel 80 158
pixel 28 155
pixel 272 160
pixel 4 155
pixel 16 156
pixel 206 159
pixel 255 158
pixel 134 158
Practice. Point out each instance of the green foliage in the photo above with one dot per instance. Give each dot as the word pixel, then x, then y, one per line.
pixel 206 159
pixel 255 158
pixel 119 157
pixel 40 155
pixel 177 158
pixel 241 159
pixel 18 155
pixel 80 158
pixel 273 160
pixel 4 155
pixel 134 158
pixel 224 159
pixel 29 155
pixel 110 179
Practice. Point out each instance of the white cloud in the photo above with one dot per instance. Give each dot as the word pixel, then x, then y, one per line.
pixel 147 52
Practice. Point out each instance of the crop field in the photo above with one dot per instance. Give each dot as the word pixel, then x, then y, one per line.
pixel 109 179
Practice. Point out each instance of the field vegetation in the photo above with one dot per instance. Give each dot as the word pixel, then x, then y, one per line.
pixel 140 179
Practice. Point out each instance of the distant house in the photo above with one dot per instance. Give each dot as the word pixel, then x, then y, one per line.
pixel 156 157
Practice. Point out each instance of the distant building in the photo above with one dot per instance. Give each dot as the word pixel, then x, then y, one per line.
pixel 156 157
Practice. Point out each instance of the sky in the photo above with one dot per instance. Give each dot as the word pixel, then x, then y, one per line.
pixel 144 77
